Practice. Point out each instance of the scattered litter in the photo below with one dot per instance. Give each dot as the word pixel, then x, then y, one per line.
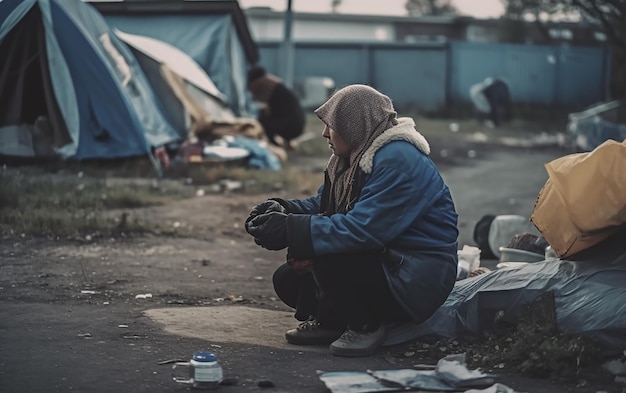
pixel 454 127
pixel 231 185
pixel 122 326
pixel 143 296
pixel 450 375
pixel 85 335
pixel 200 193
pixel 259 278
pixel 454 372
pixel 176 224
pixel 88 292
pixel 235 299
pixel 424 366
pixel 106 303
pixel 170 361
pixel 133 337
pixel 354 382
pixel 224 152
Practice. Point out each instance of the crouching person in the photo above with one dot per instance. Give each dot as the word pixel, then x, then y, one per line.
pixel 377 244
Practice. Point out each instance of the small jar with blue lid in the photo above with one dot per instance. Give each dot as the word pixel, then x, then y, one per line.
pixel 204 371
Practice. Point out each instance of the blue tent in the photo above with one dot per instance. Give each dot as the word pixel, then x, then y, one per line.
pixel 214 33
pixel 69 86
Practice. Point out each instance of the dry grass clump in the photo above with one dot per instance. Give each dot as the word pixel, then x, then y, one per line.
pixel 38 206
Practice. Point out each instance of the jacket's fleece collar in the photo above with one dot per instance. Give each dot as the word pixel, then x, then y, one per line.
pixel 404 131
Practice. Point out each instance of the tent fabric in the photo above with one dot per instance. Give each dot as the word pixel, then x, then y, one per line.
pixel 103 97
pixel 194 105
pixel 177 60
pixel 211 40
pixel 190 99
pixel 22 53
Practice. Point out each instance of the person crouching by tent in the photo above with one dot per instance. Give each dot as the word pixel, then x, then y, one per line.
pixel 281 114
pixel 377 244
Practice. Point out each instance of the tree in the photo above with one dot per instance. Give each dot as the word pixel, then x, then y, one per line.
pixel 608 14
pixel 429 7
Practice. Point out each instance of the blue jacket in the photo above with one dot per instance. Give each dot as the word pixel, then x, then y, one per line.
pixel 404 212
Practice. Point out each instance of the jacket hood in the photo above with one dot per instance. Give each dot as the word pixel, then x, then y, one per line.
pixel 404 131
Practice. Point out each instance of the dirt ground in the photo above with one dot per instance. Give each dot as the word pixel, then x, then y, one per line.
pixel 110 315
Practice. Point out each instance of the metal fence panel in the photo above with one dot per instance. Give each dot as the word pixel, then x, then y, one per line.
pixel 582 76
pixel 527 70
pixel 553 76
pixel 431 77
pixel 414 78
pixel 345 64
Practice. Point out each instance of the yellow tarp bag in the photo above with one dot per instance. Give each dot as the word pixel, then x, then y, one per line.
pixel 584 200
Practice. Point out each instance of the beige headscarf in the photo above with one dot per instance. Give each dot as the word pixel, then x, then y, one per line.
pixel 359 114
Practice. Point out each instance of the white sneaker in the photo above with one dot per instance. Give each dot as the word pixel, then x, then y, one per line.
pixel 358 342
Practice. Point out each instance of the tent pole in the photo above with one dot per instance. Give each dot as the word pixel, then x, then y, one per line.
pixel 288 46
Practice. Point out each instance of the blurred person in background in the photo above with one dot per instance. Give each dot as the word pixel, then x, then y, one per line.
pixel 493 98
pixel 281 114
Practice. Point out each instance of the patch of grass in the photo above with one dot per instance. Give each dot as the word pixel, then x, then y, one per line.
pixel 42 207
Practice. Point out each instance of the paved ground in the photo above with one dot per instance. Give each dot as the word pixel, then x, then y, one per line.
pixel 71 321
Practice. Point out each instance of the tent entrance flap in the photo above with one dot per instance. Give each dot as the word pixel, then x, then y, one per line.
pixel 29 108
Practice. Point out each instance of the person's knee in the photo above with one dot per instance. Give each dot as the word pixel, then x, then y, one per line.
pixel 282 275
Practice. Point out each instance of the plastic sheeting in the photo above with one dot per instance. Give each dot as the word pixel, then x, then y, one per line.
pixel 260 155
pixel 589 295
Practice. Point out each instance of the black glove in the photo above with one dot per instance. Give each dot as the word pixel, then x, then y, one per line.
pixel 269 230
pixel 265 207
